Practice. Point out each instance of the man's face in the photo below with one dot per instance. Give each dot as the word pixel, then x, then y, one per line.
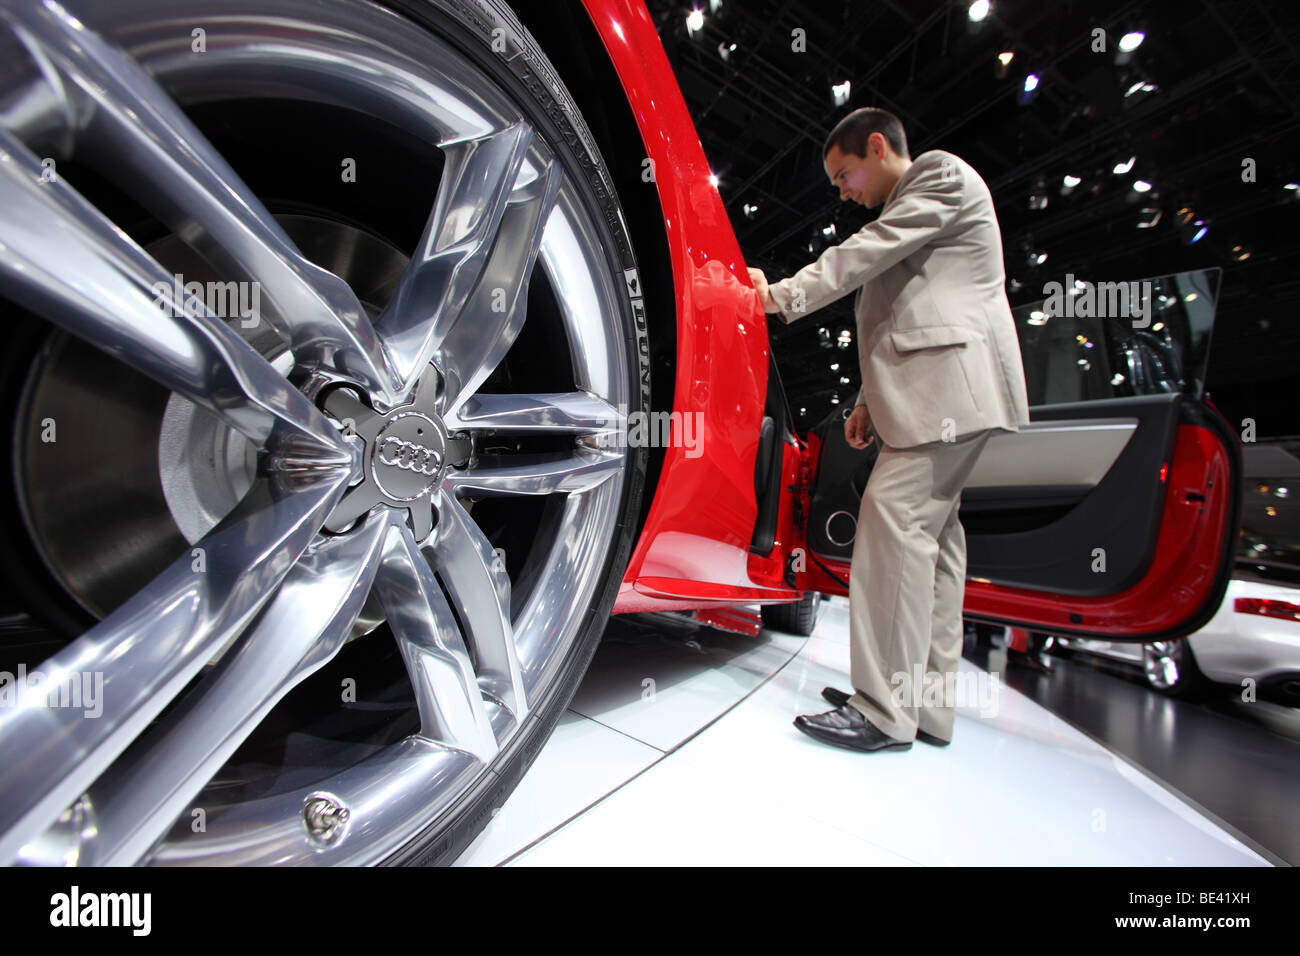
pixel 858 178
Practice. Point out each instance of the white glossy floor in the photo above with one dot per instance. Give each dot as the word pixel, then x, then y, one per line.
pixel 679 750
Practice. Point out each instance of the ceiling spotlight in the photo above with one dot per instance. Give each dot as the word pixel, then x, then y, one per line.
pixel 1005 57
pixel 828 232
pixel 1029 90
pixel 835 399
pixel 713 180
pixel 1141 86
pixel 1141 186
pixel 840 92
pixel 695 21
pixel 1191 229
pixel 750 209
pixel 835 366
pixel 1069 182
pixel 1122 168
pixel 1148 216
pixel 1240 253
pixel 845 338
pixel 978 10
pixel 824 337
pixel 1127 44
pixel 1037 317
pixel 1038 194
pixel 725 50
pixel 843 380
pixel 1131 41
pixel 1040 258
pixel 1292 186
pixel 1014 285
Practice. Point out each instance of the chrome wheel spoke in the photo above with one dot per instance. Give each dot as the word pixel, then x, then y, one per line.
pixel 63 260
pixel 171 169
pixel 453 254
pixel 452 710
pixel 301 629
pixel 579 412
pixel 480 586
pixel 483 331
pixel 144 653
pixel 537 474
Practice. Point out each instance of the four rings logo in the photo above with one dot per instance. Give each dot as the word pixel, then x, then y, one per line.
pixel 409 456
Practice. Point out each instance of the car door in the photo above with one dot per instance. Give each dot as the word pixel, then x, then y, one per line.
pixel 1115 512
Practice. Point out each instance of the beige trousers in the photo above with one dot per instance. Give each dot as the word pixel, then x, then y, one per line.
pixel 907 583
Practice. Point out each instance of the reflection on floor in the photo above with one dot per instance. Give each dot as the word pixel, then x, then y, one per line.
pixel 679 749
pixel 1238 761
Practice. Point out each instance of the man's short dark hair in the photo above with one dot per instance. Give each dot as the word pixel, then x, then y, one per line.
pixel 850 134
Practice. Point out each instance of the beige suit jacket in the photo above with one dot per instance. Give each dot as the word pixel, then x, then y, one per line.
pixel 936 340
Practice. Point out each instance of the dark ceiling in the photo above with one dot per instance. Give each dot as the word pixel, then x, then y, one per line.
pixel 1226 89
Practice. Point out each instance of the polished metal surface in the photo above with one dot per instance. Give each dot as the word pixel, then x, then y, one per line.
pixel 1160 663
pixel 295 514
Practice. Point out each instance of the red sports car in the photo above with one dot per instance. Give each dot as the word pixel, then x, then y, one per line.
pixel 356 374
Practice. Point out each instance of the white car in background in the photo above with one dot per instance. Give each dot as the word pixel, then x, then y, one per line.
pixel 1254 636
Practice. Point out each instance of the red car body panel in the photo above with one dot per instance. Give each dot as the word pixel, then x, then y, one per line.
pixel 694 548
pixel 693 551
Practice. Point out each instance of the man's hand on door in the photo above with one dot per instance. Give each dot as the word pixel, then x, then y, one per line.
pixel 764 293
pixel 857 428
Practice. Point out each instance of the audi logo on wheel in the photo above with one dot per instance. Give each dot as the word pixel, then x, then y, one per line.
pixel 409 456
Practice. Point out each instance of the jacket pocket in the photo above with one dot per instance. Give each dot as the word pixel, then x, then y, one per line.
pixel 909 340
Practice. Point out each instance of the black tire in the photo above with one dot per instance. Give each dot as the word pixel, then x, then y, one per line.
pixel 798 617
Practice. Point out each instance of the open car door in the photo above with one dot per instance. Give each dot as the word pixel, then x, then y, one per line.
pixel 1115 512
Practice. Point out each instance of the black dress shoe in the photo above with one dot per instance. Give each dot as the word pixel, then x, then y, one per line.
pixel 837 697
pixel 845 727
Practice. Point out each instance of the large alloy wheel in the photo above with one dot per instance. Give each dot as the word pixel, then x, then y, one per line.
pixel 323 349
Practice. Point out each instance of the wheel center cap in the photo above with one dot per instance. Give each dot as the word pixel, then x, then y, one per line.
pixel 409 455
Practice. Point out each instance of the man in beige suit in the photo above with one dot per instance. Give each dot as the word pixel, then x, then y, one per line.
pixel 941 371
